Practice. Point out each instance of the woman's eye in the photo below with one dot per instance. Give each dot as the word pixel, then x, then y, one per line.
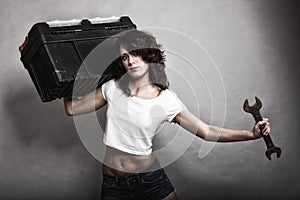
pixel 124 57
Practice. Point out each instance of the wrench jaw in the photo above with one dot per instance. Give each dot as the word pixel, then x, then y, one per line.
pixel 257 104
pixel 272 150
pixel 246 106
pixel 255 107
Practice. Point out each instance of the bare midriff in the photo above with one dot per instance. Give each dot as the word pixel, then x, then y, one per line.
pixel 118 163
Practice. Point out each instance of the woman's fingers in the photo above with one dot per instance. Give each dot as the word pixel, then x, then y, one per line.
pixel 262 128
pixel 266 119
pixel 265 125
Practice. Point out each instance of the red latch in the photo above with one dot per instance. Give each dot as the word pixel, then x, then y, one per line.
pixel 22 46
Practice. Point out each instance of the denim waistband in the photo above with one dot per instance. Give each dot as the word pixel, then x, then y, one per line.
pixel 132 177
pixel 154 168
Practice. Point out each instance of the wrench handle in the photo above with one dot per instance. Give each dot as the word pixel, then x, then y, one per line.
pixel 257 116
pixel 268 141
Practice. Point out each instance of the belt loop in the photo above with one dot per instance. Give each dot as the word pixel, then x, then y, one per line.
pixel 139 177
pixel 117 179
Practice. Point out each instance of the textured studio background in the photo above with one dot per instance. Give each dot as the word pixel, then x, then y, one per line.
pixel 254 43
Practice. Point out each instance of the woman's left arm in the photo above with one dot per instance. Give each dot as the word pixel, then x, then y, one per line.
pixel 213 133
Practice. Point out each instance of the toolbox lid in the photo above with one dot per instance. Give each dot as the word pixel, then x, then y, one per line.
pixel 71 30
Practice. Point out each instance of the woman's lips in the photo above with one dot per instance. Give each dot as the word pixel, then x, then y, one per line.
pixel 134 68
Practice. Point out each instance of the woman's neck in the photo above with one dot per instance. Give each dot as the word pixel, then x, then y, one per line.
pixel 139 85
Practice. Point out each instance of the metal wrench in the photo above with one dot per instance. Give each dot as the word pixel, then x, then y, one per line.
pixel 254 110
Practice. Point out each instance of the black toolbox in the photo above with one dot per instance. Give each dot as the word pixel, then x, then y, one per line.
pixel 54 54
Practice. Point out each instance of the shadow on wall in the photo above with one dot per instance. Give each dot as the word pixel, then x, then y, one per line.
pixel 52 147
pixel 33 120
pixel 280 23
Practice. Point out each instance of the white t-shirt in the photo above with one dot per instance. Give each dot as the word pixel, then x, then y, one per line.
pixel 132 121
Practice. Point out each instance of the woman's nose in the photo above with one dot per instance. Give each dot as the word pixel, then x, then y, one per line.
pixel 131 59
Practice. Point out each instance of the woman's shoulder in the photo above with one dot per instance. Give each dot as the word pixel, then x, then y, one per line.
pixel 108 86
pixel 110 83
pixel 170 93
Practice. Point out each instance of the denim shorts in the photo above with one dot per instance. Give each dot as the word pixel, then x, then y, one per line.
pixel 154 185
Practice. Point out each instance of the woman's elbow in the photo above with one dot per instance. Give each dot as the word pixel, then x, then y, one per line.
pixel 69 113
pixel 68 107
pixel 203 132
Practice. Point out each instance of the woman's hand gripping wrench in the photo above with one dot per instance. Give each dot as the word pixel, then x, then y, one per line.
pixel 254 110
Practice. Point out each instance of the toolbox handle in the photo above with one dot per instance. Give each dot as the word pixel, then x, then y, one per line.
pixel 88 21
pixel 85 22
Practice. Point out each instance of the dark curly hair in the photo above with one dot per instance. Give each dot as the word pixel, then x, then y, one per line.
pixel 141 44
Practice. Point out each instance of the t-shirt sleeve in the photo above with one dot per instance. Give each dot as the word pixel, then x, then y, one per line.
pixel 105 88
pixel 175 107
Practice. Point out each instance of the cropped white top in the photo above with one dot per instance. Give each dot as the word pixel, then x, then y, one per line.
pixel 132 121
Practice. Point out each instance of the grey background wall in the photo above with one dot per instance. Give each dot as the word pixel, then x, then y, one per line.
pixel 255 45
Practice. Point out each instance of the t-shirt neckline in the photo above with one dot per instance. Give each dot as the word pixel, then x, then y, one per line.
pixel 152 99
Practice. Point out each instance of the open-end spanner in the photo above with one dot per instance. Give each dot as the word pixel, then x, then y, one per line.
pixel 254 110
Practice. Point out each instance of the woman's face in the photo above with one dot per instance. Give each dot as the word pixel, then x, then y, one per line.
pixel 134 65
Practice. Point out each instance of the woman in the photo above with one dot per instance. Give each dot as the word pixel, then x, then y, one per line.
pixel 139 101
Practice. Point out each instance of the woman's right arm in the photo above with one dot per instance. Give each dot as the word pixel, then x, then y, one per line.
pixel 90 102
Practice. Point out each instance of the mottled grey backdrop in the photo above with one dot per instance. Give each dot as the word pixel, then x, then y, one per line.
pixel 254 43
